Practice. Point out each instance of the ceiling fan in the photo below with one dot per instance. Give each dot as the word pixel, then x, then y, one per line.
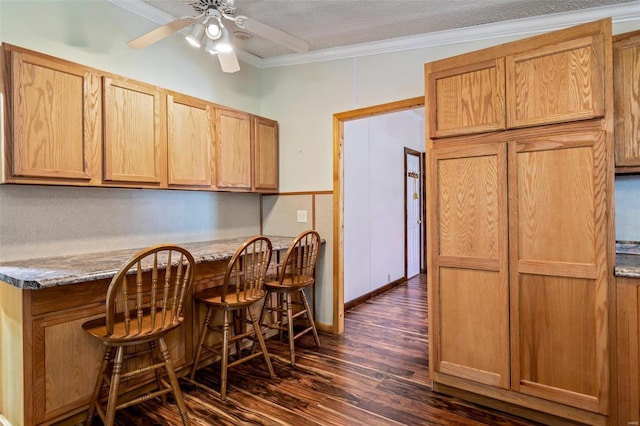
pixel 208 30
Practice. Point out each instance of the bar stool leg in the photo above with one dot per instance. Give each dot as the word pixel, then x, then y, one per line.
pixel 225 355
pixel 173 380
pixel 292 352
pixel 203 335
pixel 114 387
pixel 310 317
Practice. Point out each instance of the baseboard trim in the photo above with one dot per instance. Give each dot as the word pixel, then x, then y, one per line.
pixel 355 302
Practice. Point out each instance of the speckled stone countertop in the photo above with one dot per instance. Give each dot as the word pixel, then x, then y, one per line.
pixel 628 259
pixel 33 274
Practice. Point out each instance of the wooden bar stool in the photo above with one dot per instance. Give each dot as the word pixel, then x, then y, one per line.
pixel 295 274
pixel 145 301
pixel 242 289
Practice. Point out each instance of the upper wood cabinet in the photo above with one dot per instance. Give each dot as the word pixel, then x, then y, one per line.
pixel 189 141
pixel 233 150
pixel 265 154
pixel 53 126
pixel 468 98
pixel 626 72
pixel 67 124
pixel 545 80
pixel 133 151
pixel 565 78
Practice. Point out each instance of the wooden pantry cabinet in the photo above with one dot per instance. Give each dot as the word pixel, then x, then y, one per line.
pixel 520 247
pixel 67 124
pixel 626 72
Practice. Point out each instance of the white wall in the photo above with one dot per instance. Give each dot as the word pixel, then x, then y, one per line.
pixel 374 198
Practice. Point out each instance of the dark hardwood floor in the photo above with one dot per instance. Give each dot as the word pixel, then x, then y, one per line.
pixel 375 374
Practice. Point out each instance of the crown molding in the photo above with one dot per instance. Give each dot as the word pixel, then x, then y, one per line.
pixel 514 28
pixel 624 12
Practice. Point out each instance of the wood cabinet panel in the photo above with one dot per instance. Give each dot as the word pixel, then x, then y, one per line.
pixel 467 99
pixel 132 134
pixel 233 150
pixel 189 141
pixel 265 155
pixel 55 124
pixel 559 291
pixel 628 350
pixel 626 72
pixel 558 83
pixel 469 267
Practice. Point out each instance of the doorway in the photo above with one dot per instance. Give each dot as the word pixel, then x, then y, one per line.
pixel 338 193
pixel 413 212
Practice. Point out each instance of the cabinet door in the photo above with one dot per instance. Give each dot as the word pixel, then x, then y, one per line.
pixel 561 82
pixel 233 155
pixel 55 120
pixel 467 99
pixel 559 275
pixel 265 155
pixel 468 263
pixel 132 133
pixel 628 349
pixel 189 141
pixel 626 72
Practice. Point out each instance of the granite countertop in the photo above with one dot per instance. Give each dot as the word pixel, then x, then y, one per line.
pixel 33 274
pixel 628 259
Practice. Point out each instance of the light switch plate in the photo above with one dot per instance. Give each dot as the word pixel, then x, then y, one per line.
pixel 302 216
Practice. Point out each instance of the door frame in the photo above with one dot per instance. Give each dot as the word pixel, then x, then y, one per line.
pixel 338 194
pixel 421 158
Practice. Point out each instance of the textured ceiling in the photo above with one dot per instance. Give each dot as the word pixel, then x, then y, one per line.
pixel 327 24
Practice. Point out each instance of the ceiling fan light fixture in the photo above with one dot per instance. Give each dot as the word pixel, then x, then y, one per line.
pixel 210 47
pixel 195 36
pixel 213 31
pixel 224 44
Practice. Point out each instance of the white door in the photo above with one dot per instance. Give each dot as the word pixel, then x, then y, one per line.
pixel 414 218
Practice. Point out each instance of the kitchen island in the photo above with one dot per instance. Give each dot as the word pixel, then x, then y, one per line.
pixel 48 363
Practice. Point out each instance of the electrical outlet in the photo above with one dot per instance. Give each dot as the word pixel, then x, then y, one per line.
pixel 388 278
pixel 302 216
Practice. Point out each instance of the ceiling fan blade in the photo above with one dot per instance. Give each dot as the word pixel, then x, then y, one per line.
pixel 160 32
pixel 229 61
pixel 275 35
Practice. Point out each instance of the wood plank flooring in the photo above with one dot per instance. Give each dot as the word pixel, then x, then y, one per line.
pixel 375 374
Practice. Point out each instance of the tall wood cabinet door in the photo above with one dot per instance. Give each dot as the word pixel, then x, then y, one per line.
pixel 559 274
pixel 561 82
pixel 55 120
pixel 468 263
pixel 233 149
pixel 189 141
pixel 265 155
pixel 626 73
pixel 466 99
pixel 132 133
pixel 628 349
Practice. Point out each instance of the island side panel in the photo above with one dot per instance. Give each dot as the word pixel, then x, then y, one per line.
pixel 11 354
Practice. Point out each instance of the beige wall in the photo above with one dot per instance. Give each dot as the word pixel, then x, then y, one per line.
pixel 279 217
